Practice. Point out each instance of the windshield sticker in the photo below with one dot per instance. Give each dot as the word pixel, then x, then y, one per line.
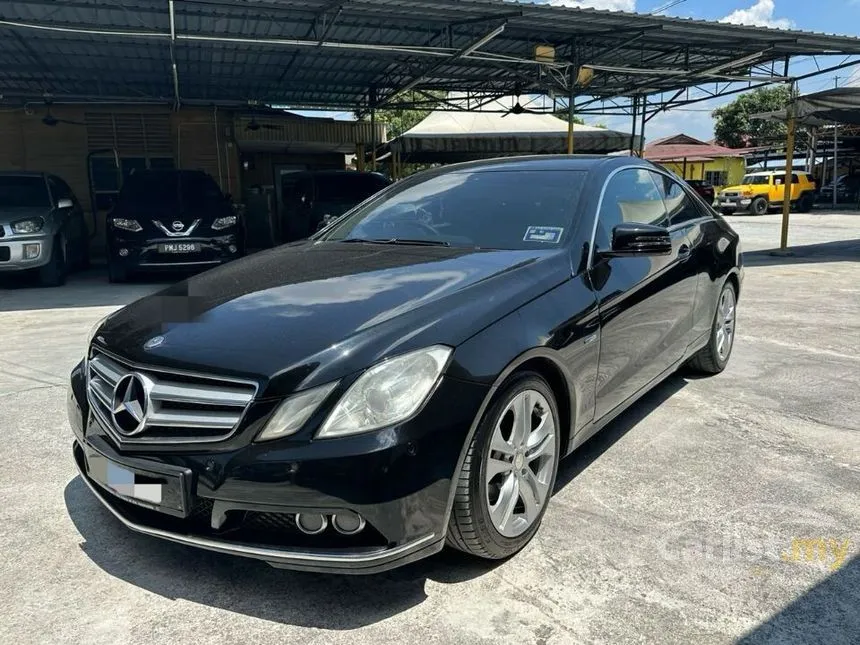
pixel 548 234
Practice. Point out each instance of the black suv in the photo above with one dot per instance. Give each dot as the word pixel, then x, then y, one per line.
pixel 171 219
pixel 314 198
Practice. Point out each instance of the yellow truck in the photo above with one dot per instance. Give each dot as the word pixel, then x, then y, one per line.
pixel 760 192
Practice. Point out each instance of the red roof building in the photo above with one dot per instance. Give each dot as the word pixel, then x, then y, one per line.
pixel 697 160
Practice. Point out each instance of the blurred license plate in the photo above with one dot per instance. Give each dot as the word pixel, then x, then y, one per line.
pixel 725 203
pixel 125 482
pixel 179 247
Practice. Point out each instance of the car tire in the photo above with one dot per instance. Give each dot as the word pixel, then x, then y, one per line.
pixel 805 203
pixel 117 274
pixel 506 469
pixel 759 206
pixel 53 274
pixel 713 357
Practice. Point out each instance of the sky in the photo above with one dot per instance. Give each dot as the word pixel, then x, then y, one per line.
pixel 827 16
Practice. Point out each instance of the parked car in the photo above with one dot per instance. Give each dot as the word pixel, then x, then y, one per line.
pixel 42 227
pixel 847 190
pixel 703 189
pixel 314 198
pixel 411 375
pixel 169 220
pixel 759 192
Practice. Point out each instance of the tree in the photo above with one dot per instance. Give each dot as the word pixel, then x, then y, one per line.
pixel 734 128
pixel 398 121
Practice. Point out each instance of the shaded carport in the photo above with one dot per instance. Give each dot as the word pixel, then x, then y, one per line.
pixel 363 55
pixel 830 107
pixel 360 54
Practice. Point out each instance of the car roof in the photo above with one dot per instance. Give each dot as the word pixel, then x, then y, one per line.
pixel 548 162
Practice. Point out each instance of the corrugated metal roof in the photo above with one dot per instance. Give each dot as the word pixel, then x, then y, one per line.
pixel 329 53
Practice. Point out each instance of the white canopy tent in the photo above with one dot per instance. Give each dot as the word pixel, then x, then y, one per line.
pixel 446 137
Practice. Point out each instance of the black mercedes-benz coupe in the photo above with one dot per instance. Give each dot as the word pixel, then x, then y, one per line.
pixel 410 376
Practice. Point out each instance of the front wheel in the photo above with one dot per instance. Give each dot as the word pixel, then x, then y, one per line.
pixel 713 357
pixel 53 274
pixel 759 206
pixel 509 471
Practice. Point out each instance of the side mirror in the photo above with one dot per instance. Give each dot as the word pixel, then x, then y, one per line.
pixel 631 238
pixel 63 204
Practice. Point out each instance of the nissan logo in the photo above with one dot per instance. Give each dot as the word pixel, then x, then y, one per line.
pixel 177 225
pixel 130 404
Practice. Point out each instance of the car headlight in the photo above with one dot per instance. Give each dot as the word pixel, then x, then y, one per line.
pixel 387 393
pixel 32 225
pixel 224 222
pixel 127 224
pixel 293 412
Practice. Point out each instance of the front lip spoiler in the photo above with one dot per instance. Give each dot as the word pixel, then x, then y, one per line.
pixel 358 561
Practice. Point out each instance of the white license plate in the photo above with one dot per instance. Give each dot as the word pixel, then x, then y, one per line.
pixel 122 481
pixel 179 247
pixel 727 203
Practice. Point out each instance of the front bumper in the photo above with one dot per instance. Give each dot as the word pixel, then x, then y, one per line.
pixel 399 480
pixel 144 255
pixel 737 204
pixel 12 247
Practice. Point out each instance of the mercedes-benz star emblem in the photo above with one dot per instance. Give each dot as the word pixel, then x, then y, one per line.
pixel 153 342
pixel 130 405
pixel 177 225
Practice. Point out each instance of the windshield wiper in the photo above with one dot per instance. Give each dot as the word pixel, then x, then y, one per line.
pixel 398 240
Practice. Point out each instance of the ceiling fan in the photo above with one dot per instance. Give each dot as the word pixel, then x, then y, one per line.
pixel 519 109
pixel 51 121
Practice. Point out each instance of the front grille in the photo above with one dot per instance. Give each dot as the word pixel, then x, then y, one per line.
pixel 731 194
pixel 174 408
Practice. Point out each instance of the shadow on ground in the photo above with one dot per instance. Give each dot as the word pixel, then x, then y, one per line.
pixel 251 587
pixel 827 613
pixel 588 453
pixel 86 289
pixel 840 251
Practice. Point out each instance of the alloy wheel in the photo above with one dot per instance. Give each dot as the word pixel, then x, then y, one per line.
pixel 725 323
pixel 520 463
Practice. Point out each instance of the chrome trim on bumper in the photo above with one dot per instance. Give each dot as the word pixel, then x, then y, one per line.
pixel 353 562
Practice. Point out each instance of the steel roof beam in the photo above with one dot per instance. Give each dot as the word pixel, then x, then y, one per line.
pixel 466 51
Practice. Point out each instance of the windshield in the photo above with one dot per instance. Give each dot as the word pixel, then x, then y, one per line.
pixel 488 209
pixel 755 179
pixel 170 188
pixel 22 192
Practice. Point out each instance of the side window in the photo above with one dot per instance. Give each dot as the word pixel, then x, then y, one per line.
pixel 630 196
pixel 679 205
pixel 795 179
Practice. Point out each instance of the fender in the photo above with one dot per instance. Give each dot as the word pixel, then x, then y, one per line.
pixel 521 359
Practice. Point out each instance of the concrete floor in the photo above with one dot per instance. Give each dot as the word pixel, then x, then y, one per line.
pixel 675 524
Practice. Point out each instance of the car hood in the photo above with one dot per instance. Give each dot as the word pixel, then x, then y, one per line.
pixel 9 214
pixel 312 312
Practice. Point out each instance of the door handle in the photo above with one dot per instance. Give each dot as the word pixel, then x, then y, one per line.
pixel 684 251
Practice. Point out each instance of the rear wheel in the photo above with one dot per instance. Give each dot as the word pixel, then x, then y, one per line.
pixel 804 205
pixel 53 274
pixel 713 357
pixel 509 471
pixel 759 206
